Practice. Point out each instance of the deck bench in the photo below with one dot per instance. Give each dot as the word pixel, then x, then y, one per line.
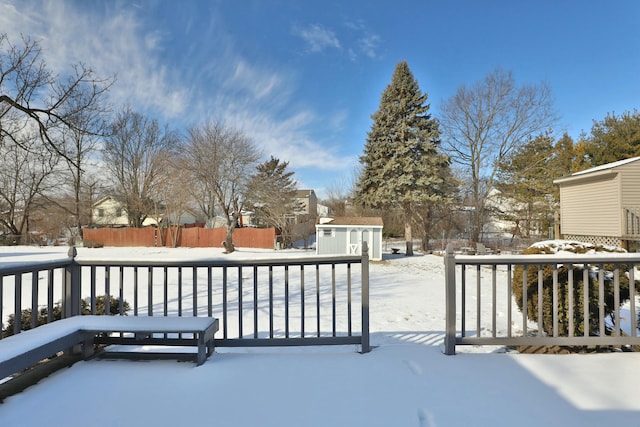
pixel 23 350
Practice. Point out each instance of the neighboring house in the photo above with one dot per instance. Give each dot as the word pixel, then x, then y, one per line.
pixel 306 210
pixel 509 218
pixel 111 212
pixel 187 216
pixel 602 205
pixel 497 226
pixel 307 206
pixel 344 236
pixel 323 210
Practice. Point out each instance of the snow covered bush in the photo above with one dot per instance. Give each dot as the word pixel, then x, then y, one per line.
pixel 567 247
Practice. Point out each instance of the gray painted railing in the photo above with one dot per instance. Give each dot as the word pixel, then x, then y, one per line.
pixel 274 302
pixel 493 276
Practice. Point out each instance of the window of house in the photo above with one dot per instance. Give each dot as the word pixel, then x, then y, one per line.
pixel 100 212
pixel 119 212
pixel 327 232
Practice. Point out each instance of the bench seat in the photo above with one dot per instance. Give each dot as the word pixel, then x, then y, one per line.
pixel 18 352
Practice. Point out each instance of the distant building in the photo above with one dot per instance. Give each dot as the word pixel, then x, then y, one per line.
pixel 111 212
pixel 345 235
pixel 307 206
pixel 323 210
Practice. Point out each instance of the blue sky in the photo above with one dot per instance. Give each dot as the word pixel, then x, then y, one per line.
pixel 302 78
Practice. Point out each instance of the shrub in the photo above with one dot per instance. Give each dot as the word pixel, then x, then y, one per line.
pixel 563 288
pixel 114 305
pixel 85 308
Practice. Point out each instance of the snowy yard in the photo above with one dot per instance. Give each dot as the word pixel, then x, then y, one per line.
pixel 404 381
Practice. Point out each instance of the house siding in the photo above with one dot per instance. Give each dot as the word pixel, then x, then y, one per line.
pixel 630 185
pixel 592 207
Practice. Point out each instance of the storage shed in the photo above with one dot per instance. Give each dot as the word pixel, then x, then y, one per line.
pixel 602 205
pixel 344 236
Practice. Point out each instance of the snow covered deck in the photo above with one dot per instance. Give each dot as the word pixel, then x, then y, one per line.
pixel 406 380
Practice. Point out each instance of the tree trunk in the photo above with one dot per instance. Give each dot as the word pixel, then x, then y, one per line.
pixel 476 225
pixel 228 241
pixel 175 235
pixel 408 235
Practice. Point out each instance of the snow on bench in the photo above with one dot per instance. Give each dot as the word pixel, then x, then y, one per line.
pixel 23 350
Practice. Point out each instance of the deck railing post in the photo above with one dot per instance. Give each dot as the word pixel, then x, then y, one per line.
pixel 366 348
pixel 71 289
pixel 450 300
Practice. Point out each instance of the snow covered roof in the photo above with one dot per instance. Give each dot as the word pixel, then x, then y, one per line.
pixel 607 166
pixel 351 220
pixel 595 171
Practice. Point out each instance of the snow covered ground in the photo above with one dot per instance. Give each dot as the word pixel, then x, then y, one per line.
pixel 404 381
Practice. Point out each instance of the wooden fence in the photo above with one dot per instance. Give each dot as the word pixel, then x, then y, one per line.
pixel 194 237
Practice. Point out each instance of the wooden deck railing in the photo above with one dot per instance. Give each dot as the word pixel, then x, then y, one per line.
pixel 480 298
pixel 274 302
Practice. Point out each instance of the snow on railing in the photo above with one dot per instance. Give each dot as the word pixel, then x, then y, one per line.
pixel 487 313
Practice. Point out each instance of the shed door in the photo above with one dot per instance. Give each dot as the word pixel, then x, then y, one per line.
pixel 354 243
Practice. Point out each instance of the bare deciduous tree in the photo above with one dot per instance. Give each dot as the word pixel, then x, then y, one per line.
pixel 338 195
pixel 222 160
pixel 31 94
pixel 172 198
pixel 79 145
pixel 483 123
pixel 25 175
pixel 133 154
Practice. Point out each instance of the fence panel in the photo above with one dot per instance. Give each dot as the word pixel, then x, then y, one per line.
pixel 192 237
pixel 121 237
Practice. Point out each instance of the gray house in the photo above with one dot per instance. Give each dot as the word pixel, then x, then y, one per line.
pixel 344 236
pixel 601 205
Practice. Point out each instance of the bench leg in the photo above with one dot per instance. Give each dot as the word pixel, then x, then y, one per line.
pixel 210 347
pixel 202 349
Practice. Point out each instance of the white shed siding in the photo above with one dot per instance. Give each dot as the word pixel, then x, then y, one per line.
pixel 347 239
pixel 591 207
pixel 333 243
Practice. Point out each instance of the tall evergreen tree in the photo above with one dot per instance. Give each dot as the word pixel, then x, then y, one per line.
pixel 401 162
pixel 271 196
pixel 614 138
pixel 525 181
pixel 570 157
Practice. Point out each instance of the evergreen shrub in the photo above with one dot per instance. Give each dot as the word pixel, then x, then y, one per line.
pixel 551 247
pixel 85 309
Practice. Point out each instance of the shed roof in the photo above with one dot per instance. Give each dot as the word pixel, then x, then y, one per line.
pixel 352 220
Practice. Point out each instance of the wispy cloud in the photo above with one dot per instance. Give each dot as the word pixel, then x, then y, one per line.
pixel 256 97
pixel 256 82
pixel 107 43
pixel 317 37
pixel 369 45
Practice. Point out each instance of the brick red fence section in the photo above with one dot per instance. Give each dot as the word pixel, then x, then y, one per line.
pixel 195 237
